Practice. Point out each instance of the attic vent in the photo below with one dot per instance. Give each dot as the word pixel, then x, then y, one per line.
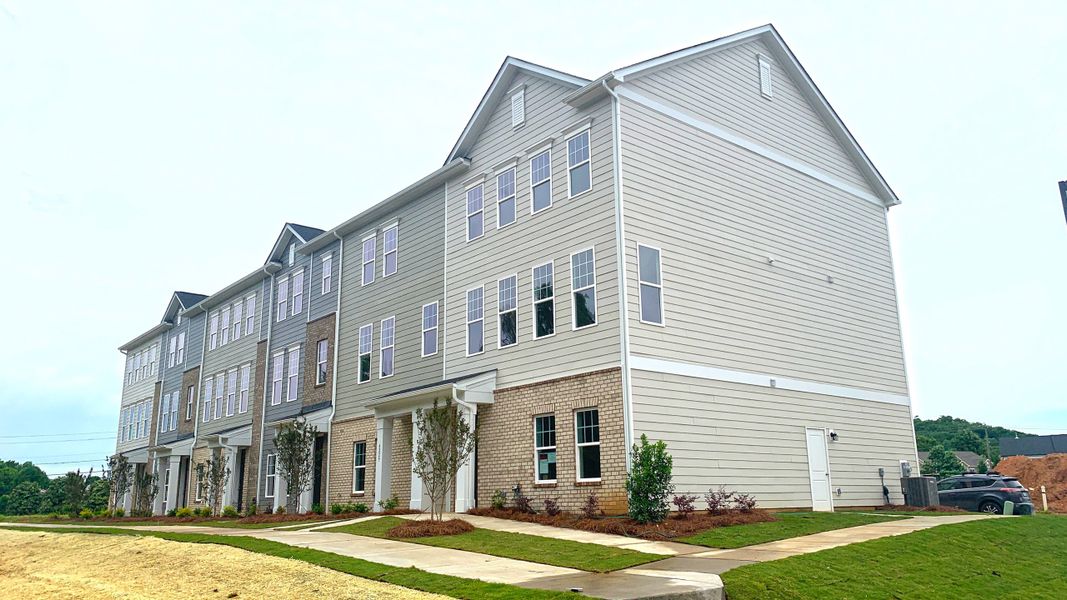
pixel 518 107
pixel 765 87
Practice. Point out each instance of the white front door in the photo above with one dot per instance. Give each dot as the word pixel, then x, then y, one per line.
pixel 819 470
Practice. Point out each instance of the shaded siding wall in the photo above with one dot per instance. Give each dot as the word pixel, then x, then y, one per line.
pixel 136 392
pixel 173 376
pixel 286 334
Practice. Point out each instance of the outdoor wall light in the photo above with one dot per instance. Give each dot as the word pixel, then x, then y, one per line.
pixel 833 435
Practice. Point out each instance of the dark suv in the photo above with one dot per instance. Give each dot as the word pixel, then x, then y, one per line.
pixel 985 493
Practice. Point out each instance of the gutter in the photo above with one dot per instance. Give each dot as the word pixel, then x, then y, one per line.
pixel 267 270
pixel 336 352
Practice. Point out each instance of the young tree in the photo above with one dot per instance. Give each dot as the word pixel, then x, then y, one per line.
pixel 648 484
pixel 942 462
pixel 295 443
pixel 445 443
pixel 119 476
pixel 75 490
pixel 145 489
pixel 213 475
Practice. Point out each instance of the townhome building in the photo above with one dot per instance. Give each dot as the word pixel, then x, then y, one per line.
pixel 140 397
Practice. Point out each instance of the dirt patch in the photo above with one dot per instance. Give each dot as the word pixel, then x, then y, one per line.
pixel 416 529
pixel 673 527
pixel 72 565
pixel 1049 471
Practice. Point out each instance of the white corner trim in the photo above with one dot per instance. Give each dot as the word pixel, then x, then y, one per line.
pixel 658 365
pixel 743 142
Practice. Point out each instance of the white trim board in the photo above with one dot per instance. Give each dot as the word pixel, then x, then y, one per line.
pixel 738 140
pixel 658 365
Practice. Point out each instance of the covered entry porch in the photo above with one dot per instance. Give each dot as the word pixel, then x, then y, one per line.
pixel 173 465
pixel 233 447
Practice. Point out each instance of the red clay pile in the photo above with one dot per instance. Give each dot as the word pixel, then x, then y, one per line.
pixel 1049 471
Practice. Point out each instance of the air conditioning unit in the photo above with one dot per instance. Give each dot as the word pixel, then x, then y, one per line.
pixel 919 491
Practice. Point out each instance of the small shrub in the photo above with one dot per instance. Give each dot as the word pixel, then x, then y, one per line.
pixel 172 512
pixel 317 509
pixel 203 511
pixel 280 510
pixel 391 504
pixel 499 499
pixel 718 500
pixel 684 505
pixel 251 511
pixel 745 502
pixel 414 529
pixel 184 512
pixel 229 511
pixel 267 510
pixel 86 513
pixel 648 484
pixel 337 508
pixel 552 507
pixel 120 512
pixel 591 508
pixel 523 504
pixel 103 512
pixel 360 507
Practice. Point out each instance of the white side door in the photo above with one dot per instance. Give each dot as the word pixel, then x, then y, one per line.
pixel 819 470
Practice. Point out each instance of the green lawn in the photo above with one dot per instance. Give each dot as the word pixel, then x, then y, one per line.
pixel 455 587
pixel 214 523
pixel 789 525
pixel 549 551
pixel 1021 557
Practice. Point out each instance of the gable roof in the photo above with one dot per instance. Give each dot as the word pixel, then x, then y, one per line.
pixel 501 82
pixel 968 458
pixel 180 302
pixel 302 234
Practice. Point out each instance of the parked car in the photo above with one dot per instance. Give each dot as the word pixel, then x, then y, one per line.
pixel 984 493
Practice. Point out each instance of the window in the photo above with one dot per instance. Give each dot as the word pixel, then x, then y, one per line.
pixel 142 429
pixel 283 297
pixel 292 253
pixel 246 373
pixel 587 428
pixel 583 289
pixel 327 273
pixel 220 391
pixel 505 198
pixel 237 320
pixel 368 259
pixel 650 280
pixel 475 204
pixel 390 243
pixel 541 181
pixel 181 348
pixel 190 395
pixel 507 309
pixel 208 385
pixel 766 87
pixel 213 338
pixel 199 495
pixel 475 322
pixel 164 413
pixel 172 352
pixel 320 362
pixel 294 374
pixel 278 366
pixel 579 177
pixel 272 474
pixel 429 329
pixel 518 107
pixel 250 314
pixel 225 325
pixel 298 292
pixel 366 337
pixel 166 488
pixel 359 467
pixel 387 335
pixel 544 301
pixel 545 448
pixel 175 399
pixel 231 392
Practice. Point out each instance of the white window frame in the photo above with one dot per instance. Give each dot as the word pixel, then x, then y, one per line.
pixel 382 347
pixel 250 314
pixel 500 313
pixel 327 274
pixel 434 328
pixel 220 395
pixel 577 452
pixel 514 196
pixel 277 376
pixel 640 282
pixel 172 351
pixel 586 131
pixel 469 321
pixel 189 402
pixel 537 450
pixel 361 353
pixel 198 493
pixel 322 353
pixel 245 378
pixel 164 413
pixel 282 297
pixel 574 291
pixel 181 348
pixel 373 239
pixel 213 329
pixel 292 253
pixel 535 301
pixel 225 326
pixel 395 228
pixel 292 379
pixel 270 486
pixel 356 467
pixel 297 304
pixel 533 184
pixel 238 319
pixel 208 397
pixel 766 77
pixel 175 400
pixel 480 186
pixel 231 392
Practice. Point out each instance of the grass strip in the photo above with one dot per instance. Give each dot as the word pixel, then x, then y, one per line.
pixel 520 546
pixel 788 525
pixel 416 579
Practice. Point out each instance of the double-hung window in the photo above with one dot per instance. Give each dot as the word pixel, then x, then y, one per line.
pixel 366 339
pixel 368 258
pixel 225 325
pixel 207 396
pixel 429 329
pixel 579 177
pixel 321 350
pixel 190 398
pixel 283 298
pixel 359 467
pixel 172 351
pixel 213 329
pixel 327 273
pixel 181 348
pixel 475 213
pixel 390 247
pixel 175 400
pixel 294 374
pixel 541 181
pixel 231 392
pixel 583 289
pixel 475 321
pixel 587 437
pixel 277 370
pixel 272 475
pixel 388 336
pixel 238 321
pixel 246 375
pixel 544 301
pixel 545 448
pixel 298 292
pixel 505 198
pixel 650 279
pixel 250 314
pixel 164 413
pixel 220 390
pixel 507 309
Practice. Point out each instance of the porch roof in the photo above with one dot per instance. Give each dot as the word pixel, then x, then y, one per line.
pixel 474 388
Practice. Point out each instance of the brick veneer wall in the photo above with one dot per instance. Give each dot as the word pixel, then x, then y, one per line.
pixel 506 440
pixel 252 456
pixel 343 435
pixel 189 378
pixel 199 455
pixel 319 329
pixel 400 469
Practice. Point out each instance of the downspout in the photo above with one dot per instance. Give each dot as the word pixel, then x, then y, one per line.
pixel 620 254
pixel 266 373
pixel 336 352
pixel 441 321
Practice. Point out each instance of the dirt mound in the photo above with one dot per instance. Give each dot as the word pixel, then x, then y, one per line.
pixel 1049 471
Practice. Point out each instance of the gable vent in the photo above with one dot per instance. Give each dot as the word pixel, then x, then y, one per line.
pixel 518 107
pixel 765 86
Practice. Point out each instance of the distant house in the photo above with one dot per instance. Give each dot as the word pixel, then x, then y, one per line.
pixel 969 460
pixel 1034 446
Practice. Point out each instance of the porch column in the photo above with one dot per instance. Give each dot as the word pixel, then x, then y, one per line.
pixel 229 493
pixel 383 459
pixel 465 476
pixel 416 481
pixel 157 501
pixel 174 463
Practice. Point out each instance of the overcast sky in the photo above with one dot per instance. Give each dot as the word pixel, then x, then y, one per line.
pixel 148 147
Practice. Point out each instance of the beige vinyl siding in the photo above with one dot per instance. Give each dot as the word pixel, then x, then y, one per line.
pixel 724 87
pixel 751 439
pixel 718 212
pixel 139 391
pixel 569 225
pixel 232 356
pixel 419 280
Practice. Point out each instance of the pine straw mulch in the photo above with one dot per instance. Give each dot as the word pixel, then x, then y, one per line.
pixel 416 529
pixel 675 526
pixel 919 509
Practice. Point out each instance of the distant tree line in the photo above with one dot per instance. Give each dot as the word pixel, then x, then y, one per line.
pixel 26 490
pixel 944 435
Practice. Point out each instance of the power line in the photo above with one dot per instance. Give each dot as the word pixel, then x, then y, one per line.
pixel 44 435
pixel 110 437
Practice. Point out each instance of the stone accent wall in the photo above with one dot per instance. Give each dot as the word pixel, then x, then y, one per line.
pixel 400 469
pixel 319 329
pixel 506 440
pixel 253 456
pixel 189 378
pixel 343 435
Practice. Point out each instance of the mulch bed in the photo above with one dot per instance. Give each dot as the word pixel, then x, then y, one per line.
pixel 674 527
pixel 919 509
pixel 254 519
pixel 416 529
